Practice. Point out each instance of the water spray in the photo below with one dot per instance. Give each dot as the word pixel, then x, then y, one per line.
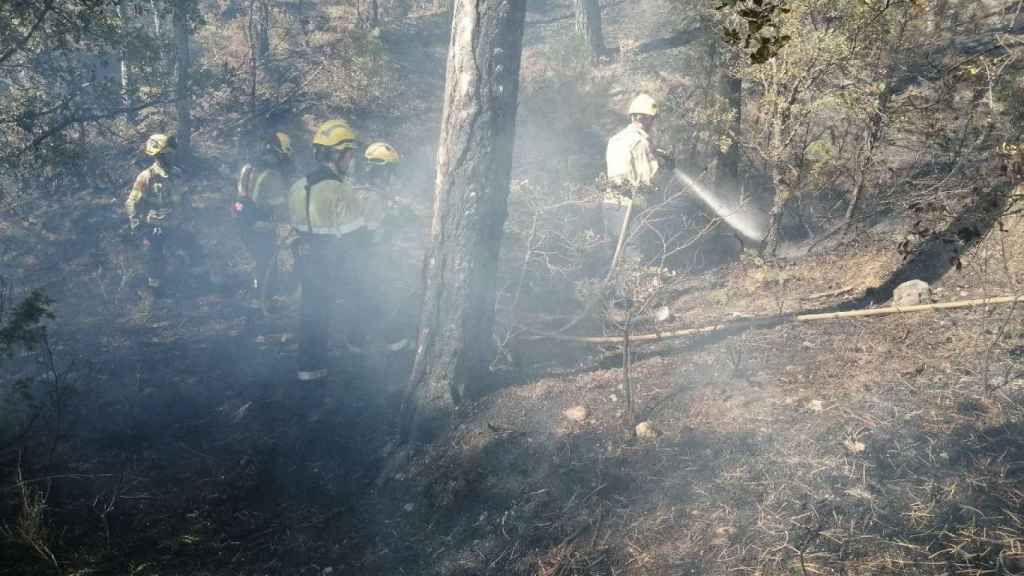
pixel 741 216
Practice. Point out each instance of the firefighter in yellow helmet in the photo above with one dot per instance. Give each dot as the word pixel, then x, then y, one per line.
pixel 261 203
pixel 635 166
pixel 326 215
pixel 374 266
pixel 156 207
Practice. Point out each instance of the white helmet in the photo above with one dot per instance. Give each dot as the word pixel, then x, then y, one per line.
pixel 643 104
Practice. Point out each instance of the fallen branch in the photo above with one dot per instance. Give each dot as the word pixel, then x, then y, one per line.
pixel 776 320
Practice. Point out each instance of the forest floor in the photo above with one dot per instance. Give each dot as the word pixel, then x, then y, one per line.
pixel 890 445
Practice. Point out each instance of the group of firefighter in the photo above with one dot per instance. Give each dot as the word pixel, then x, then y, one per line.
pixel 330 225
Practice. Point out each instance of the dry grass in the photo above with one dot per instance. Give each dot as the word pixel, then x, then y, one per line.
pixel 30 524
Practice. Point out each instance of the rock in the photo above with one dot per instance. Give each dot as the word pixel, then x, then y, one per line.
pixel 663 314
pixel 722 535
pixel 816 405
pixel 576 413
pixel 646 431
pixel 912 293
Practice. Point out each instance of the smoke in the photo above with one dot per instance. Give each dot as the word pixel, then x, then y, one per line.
pixel 742 216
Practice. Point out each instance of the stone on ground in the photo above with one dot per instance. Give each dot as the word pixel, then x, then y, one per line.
pixel 912 293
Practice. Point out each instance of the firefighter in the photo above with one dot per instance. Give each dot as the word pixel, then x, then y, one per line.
pixel 378 294
pixel 156 208
pixel 635 166
pixel 261 204
pixel 381 161
pixel 327 216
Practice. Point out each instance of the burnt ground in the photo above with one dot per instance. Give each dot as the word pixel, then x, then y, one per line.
pixel 886 445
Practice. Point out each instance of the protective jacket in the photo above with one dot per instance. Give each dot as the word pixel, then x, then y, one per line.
pixel 155 198
pixel 322 203
pixel 631 161
pixel 262 196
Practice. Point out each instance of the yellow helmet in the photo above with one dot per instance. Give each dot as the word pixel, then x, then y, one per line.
pixel 381 153
pixel 336 134
pixel 158 143
pixel 643 104
pixel 281 143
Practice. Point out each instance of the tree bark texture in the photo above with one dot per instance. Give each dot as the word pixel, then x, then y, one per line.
pixel 262 21
pixel 373 13
pixel 770 244
pixel 730 89
pixel 455 343
pixel 588 26
pixel 183 79
pixel 124 18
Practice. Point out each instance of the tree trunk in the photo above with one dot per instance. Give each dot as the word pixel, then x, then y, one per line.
pixel 263 17
pixel 588 26
pixel 127 88
pixel 157 27
pixel 373 16
pixel 731 90
pixel 183 80
pixel 455 343
pixel 872 135
pixel 770 244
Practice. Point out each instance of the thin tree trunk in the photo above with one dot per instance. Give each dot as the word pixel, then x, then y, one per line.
pixel 373 9
pixel 127 88
pixel 455 343
pixel 183 80
pixel 771 242
pixel 263 22
pixel 731 90
pixel 728 91
pixel 872 135
pixel 588 26
pixel 157 26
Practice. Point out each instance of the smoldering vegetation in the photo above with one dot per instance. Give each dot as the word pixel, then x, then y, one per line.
pixel 881 144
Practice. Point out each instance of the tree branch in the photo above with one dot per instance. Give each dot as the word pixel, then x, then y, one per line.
pixel 20 44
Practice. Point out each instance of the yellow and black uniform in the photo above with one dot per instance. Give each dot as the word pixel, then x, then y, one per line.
pixel 329 218
pixel 155 208
pixel 261 203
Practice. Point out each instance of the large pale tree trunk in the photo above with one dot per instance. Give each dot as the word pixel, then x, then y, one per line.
pixel 455 344
pixel 183 79
pixel 588 26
